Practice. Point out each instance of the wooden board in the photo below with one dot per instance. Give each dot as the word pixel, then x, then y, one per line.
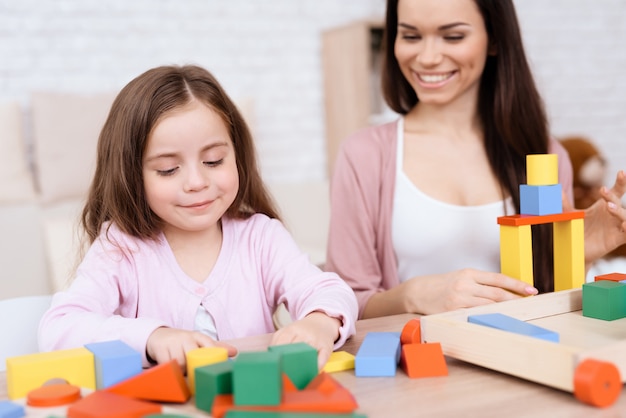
pixel 537 360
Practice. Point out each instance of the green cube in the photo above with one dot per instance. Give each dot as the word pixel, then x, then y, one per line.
pixel 605 300
pixel 211 380
pixel 299 362
pixel 257 378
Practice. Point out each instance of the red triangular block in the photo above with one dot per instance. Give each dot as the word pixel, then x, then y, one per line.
pixel 101 404
pixel 162 383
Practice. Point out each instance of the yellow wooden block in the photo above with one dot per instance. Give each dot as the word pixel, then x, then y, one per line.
pixel 25 373
pixel 516 252
pixel 339 361
pixel 202 356
pixel 569 254
pixel 542 169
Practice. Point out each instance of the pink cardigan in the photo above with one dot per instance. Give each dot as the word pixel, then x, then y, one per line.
pixel 360 248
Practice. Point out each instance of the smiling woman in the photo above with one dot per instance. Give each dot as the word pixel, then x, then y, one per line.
pixel 414 201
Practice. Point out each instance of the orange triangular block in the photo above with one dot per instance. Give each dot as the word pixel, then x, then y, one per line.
pixel 288 385
pixel 162 383
pixel 102 404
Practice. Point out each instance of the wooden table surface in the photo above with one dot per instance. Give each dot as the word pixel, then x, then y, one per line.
pixel 467 391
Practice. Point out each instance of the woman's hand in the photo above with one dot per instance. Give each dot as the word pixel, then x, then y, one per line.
pixel 166 344
pixel 605 221
pixel 464 288
pixel 316 329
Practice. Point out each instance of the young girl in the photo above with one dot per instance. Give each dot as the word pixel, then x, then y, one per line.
pixel 187 249
pixel 414 202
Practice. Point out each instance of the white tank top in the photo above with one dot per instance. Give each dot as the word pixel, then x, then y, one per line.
pixel 433 237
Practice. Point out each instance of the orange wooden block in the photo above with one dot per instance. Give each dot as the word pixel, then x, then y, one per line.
pixel 423 360
pixel 411 333
pixel 162 383
pixel 288 385
pixel 597 383
pixel 53 395
pixel 323 394
pixel 614 277
pixel 108 405
pixel 519 220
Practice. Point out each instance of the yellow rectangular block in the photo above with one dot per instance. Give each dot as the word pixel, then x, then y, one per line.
pixel 516 252
pixel 25 373
pixel 569 254
pixel 202 356
pixel 542 169
pixel 339 361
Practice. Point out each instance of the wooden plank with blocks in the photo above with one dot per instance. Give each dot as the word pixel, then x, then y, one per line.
pixel 588 361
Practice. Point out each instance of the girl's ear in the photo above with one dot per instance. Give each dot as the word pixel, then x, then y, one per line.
pixel 493 48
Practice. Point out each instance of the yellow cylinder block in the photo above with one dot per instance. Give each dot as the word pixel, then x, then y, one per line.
pixel 542 169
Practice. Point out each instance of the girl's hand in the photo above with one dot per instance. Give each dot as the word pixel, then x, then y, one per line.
pixel 605 221
pixel 166 344
pixel 316 329
pixel 461 289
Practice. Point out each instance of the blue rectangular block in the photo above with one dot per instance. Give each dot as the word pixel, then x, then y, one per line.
pixel 115 362
pixel 507 323
pixel 378 355
pixel 541 200
pixel 11 410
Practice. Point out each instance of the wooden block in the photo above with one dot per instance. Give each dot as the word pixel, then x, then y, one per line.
pixel 257 378
pixel 614 277
pixel 104 404
pixel 519 220
pixel 269 414
pixel 508 323
pixel 298 361
pixel 25 373
pixel 423 360
pixel 212 380
pixel 162 383
pixel 378 355
pixel 53 395
pixel 516 252
pixel 115 361
pixel 202 356
pixel 541 200
pixel 411 332
pixel 604 299
pixel 11 410
pixel 339 361
pixel 324 395
pixel 569 254
pixel 542 169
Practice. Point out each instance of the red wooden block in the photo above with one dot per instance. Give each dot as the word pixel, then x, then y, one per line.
pixel 411 333
pixel 519 220
pixel 614 277
pixel 102 404
pixel 162 383
pixel 423 360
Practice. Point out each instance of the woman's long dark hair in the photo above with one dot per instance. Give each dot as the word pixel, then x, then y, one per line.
pixel 510 109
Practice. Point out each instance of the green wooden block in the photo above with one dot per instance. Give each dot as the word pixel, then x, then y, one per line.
pixel 257 378
pixel 605 300
pixel 211 380
pixel 299 362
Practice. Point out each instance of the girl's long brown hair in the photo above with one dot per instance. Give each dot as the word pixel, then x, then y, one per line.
pixel 117 192
pixel 510 109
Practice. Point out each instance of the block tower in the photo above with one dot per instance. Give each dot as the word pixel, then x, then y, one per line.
pixel 541 203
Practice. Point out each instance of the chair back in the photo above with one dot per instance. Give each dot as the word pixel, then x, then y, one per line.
pixel 19 324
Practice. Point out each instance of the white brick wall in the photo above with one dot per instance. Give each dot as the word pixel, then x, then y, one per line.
pixel 270 50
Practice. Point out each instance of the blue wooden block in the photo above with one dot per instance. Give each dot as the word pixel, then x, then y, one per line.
pixel 378 355
pixel 507 323
pixel 11 410
pixel 115 361
pixel 540 200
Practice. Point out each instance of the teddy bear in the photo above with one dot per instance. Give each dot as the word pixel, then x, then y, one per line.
pixel 589 169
